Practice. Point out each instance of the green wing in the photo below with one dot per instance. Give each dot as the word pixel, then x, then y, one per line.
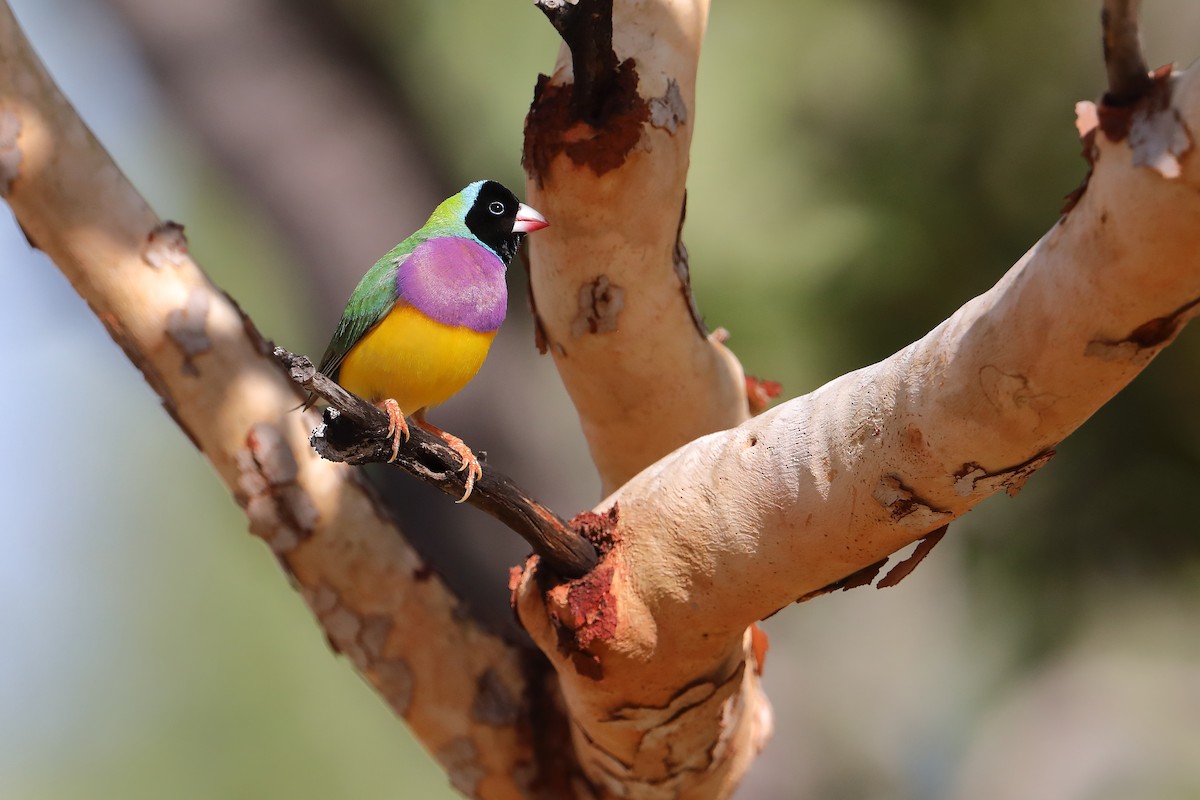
pixel 375 294
pixel 371 301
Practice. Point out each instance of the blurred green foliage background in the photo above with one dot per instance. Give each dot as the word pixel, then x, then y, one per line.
pixel 859 170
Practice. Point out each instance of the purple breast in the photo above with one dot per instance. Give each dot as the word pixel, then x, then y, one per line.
pixel 455 281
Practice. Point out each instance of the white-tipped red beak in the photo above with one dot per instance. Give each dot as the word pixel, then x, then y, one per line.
pixel 528 220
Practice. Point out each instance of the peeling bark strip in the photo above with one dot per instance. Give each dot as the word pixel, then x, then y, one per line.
pixel 905 506
pixel 973 478
pixel 600 304
pixel 666 749
pixel 905 567
pixel 862 577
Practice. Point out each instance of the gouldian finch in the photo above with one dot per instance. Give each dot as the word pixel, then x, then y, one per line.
pixel 421 321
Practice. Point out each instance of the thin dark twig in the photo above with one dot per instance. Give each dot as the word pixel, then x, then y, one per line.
pixel 586 26
pixel 1128 77
pixel 354 431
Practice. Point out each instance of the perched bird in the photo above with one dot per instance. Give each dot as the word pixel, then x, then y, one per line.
pixel 420 323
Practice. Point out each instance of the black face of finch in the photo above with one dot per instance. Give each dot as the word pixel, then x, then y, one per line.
pixel 500 220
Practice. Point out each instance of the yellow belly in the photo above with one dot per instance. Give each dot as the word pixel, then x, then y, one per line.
pixel 413 360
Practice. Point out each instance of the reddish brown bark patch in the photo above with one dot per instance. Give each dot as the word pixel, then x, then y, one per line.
pixel 902 570
pixel 971 477
pixel 861 577
pixel 759 644
pixel 551 126
pixel 760 392
pixel 599 529
pixel 590 617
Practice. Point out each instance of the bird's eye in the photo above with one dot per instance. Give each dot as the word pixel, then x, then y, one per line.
pixel 496 207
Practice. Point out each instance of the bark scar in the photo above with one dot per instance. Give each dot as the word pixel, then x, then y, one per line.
pixel 905 506
pixel 905 567
pixel 600 303
pixel 186 327
pixel 669 111
pixel 280 512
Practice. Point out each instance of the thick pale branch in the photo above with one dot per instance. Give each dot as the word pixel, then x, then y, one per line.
pixel 462 691
pixel 609 278
pixel 365 440
pixel 737 524
pixel 834 481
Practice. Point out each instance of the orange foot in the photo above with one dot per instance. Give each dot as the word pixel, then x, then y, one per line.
pixel 397 427
pixel 469 462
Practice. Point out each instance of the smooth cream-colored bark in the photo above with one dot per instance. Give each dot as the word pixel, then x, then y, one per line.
pixel 614 310
pixel 461 690
pixel 738 524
